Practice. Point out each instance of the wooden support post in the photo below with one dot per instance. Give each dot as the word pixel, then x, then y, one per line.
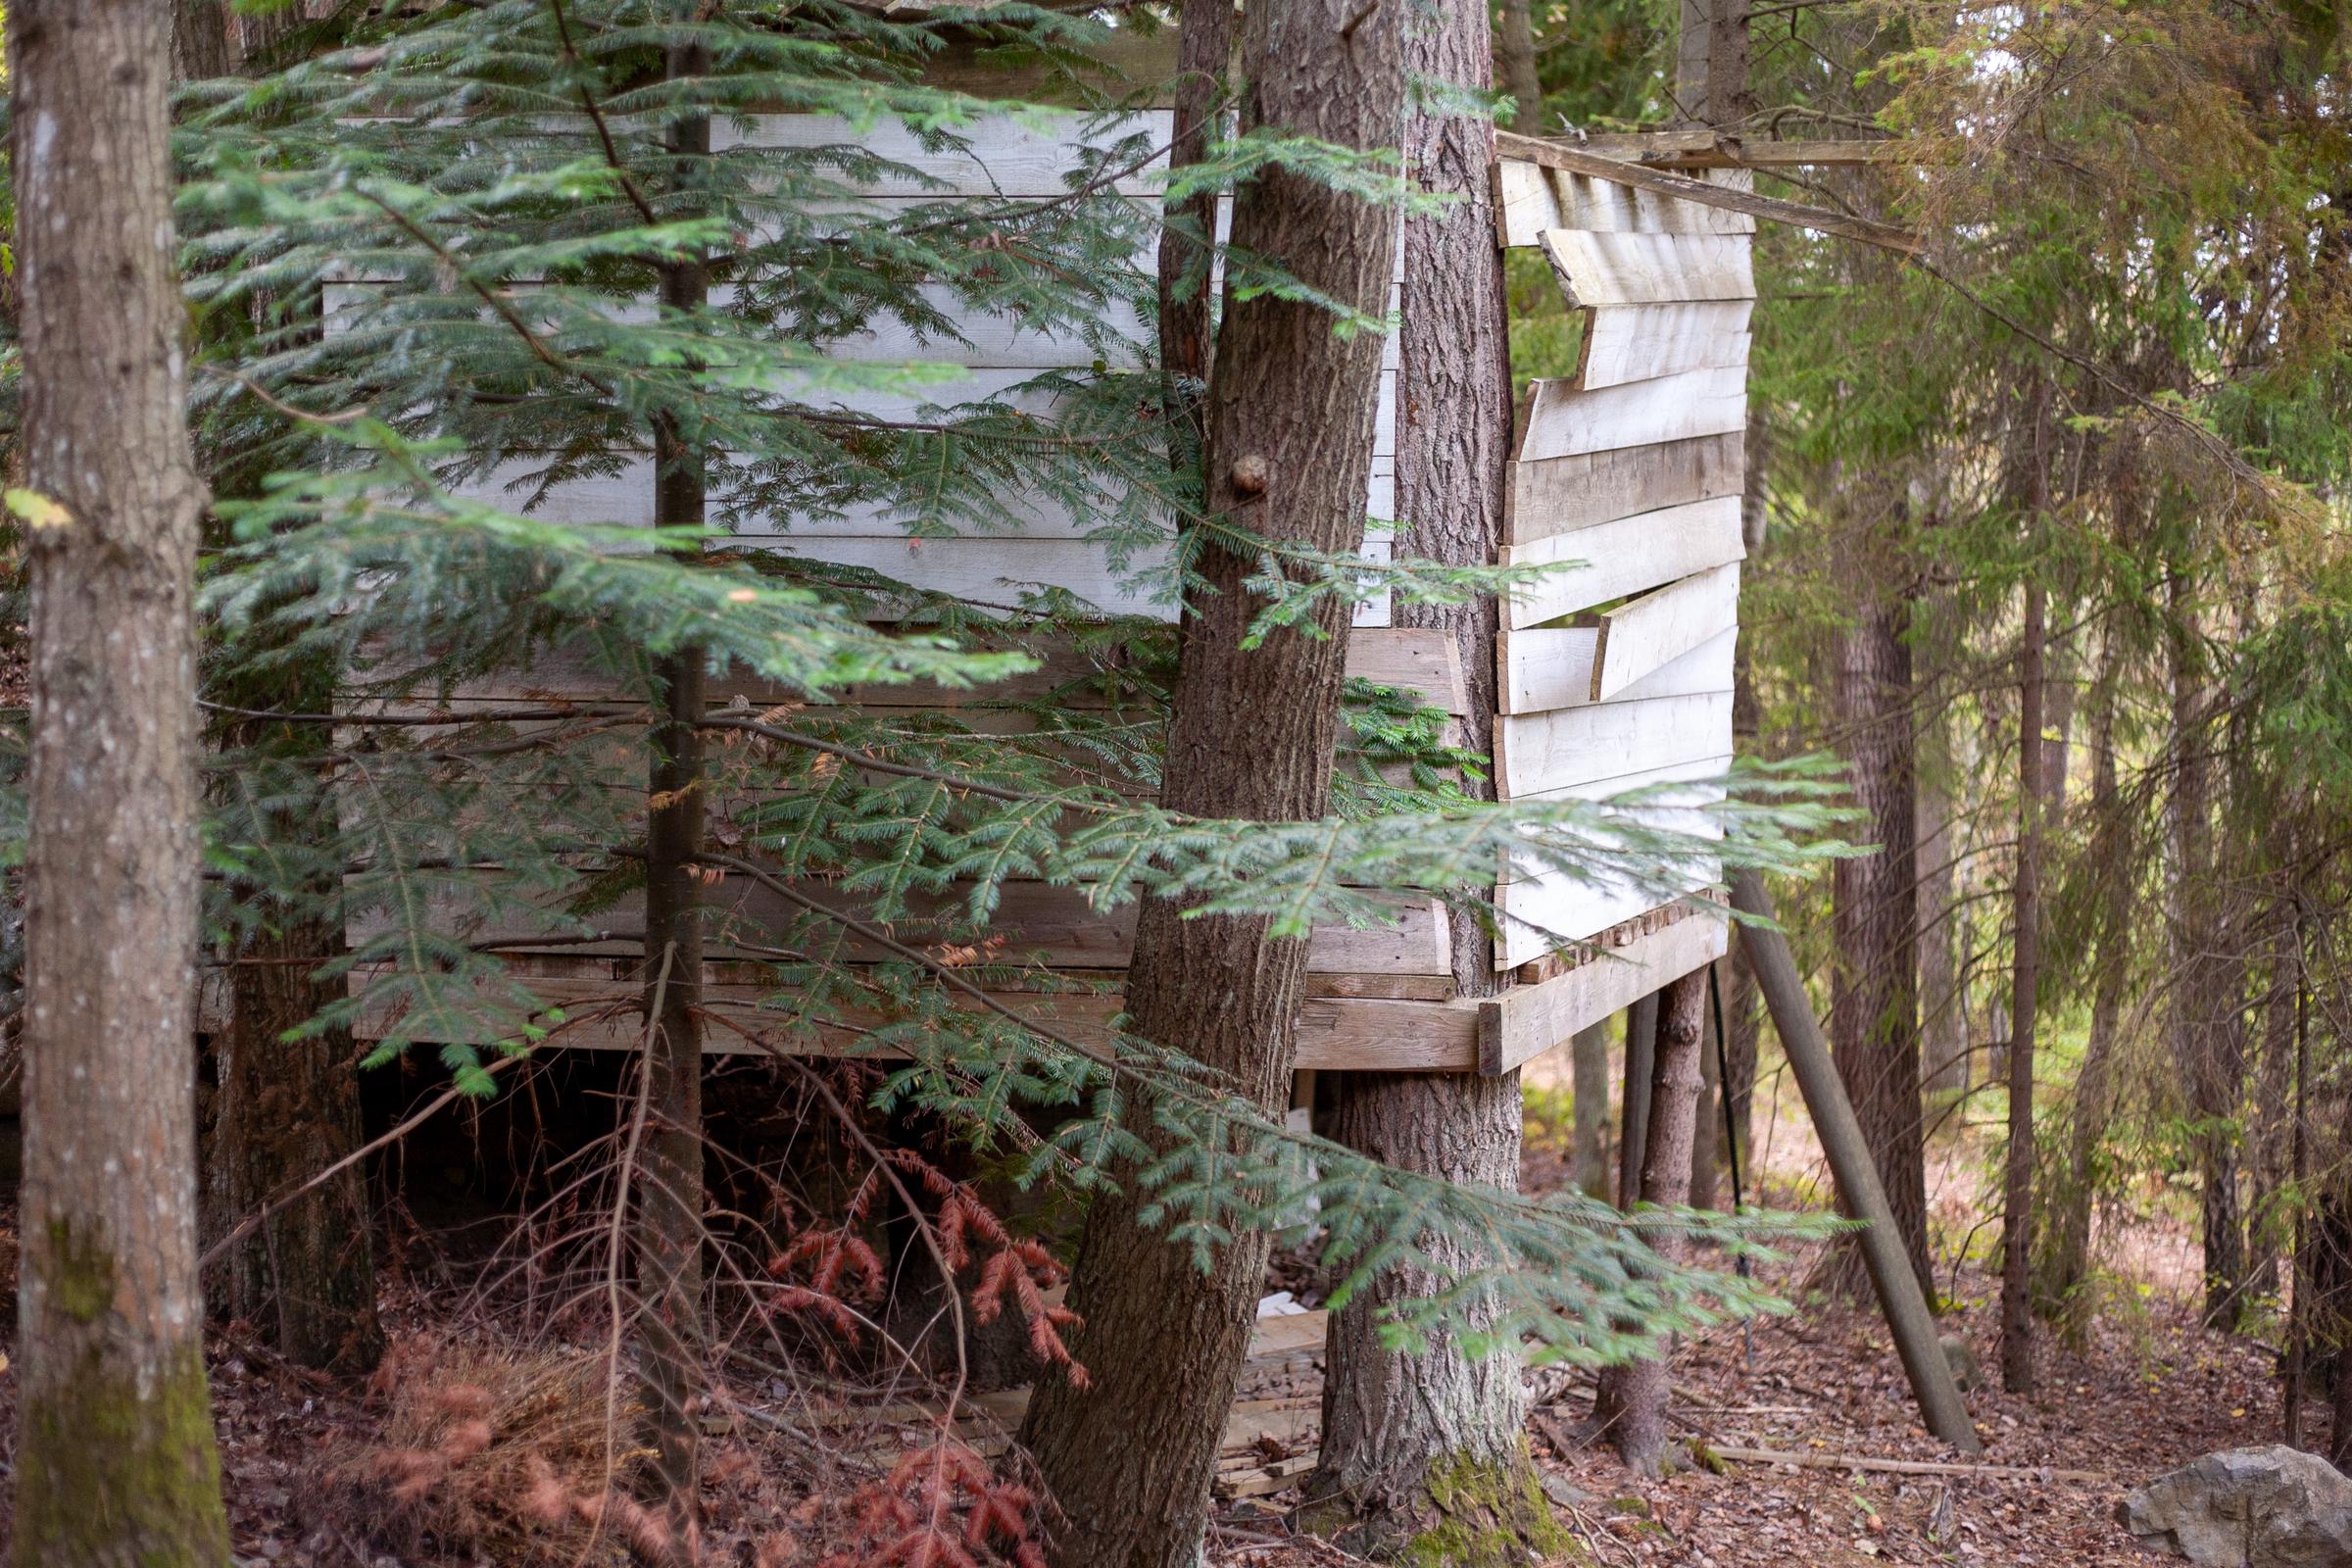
pixel 1640 1056
pixel 1899 1295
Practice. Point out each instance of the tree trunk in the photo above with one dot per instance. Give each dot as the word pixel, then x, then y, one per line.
pixel 2203 1015
pixel 2070 1257
pixel 1515 62
pixel 1129 1457
pixel 116 1465
pixel 1411 1439
pixel 200 42
pixel 2017 1177
pixel 1589 1068
pixel 1873 1010
pixel 1943 1021
pixel 289 1108
pixel 1707 1120
pixel 1187 239
pixel 1631 1405
pixel 669 1177
pixel 1632 1131
pixel 2268 1226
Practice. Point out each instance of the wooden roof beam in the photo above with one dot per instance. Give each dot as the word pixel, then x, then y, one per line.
pixel 1581 159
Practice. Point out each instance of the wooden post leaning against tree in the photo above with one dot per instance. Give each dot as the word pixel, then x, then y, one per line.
pixel 115 1462
pixel 1629 1407
pixel 1392 1423
pixel 667 1181
pixel 1128 1458
pixel 1880 1243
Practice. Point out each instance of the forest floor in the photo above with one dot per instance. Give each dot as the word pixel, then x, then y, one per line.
pixel 316 1472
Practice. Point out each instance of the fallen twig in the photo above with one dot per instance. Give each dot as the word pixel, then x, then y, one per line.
pixel 1905 1467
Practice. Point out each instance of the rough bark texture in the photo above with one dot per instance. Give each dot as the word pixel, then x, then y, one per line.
pixel 1588 1069
pixel 200 41
pixel 115 1462
pixel 1631 1405
pixel 1406 1438
pixel 1873 1010
pixel 288 1109
pixel 1128 1459
pixel 1204 52
pixel 669 1177
pixel 2017 1177
pixel 2204 1015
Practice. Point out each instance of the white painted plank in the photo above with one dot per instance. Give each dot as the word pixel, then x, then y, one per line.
pixel 1526 1022
pixel 1624 557
pixel 1640 637
pixel 1006 155
pixel 1641 342
pixel 1542 906
pixel 1544 754
pixel 1565 422
pixel 1554 495
pixel 1530 199
pixel 1551 668
pixel 1650 268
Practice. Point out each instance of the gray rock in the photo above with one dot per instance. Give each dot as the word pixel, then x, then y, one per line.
pixel 2271 1507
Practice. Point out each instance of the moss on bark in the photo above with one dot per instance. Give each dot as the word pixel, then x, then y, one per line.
pixel 114 1469
pixel 1471 1512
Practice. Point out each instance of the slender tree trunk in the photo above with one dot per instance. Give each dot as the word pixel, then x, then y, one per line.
pixel 116 1465
pixel 1707 1119
pixel 2267 1222
pixel 1744 1016
pixel 2203 1008
pixel 1631 1405
pixel 2070 1258
pixel 669 1174
pixel 1943 1021
pixel 1589 1068
pixel 1188 242
pixel 1633 1133
pixel 1515 62
pixel 2017 1181
pixel 1873 1010
pixel 1409 1441
pixel 1129 1457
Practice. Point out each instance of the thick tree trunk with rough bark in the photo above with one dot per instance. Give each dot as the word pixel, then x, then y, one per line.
pixel 1874 1008
pixel 1408 1441
pixel 2017 1177
pixel 1128 1458
pixel 669 1170
pixel 1515 64
pixel 1630 1407
pixel 114 1464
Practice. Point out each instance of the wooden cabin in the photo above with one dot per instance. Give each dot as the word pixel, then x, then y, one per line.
pixel 1612 675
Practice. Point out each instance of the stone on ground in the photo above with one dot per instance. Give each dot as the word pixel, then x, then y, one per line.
pixel 2268 1507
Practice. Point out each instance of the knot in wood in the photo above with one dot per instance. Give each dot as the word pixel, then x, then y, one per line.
pixel 1250 475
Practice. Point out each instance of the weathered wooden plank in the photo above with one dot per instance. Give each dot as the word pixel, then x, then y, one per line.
pixel 1706 149
pixel 1003 155
pixel 1038 923
pixel 1549 667
pixel 1641 342
pixel 1640 637
pixel 1530 198
pixel 1544 753
pixel 1682 191
pixel 1526 1022
pixel 1333 1032
pixel 1650 268
pixel 1563 421
pixel 1624 557
pixel 1554 495
pixel 1540 908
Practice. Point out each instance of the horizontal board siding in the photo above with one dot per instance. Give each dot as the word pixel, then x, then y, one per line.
pixel 1650 268
pixel 1554 495
pixel 1368 1035
pixel 1551 668
pixel 1526 1022
pixel 1563 421
pixel 1641 342
pixel 1530 199
pixel 1544 906
pixel 1643 636
pixel 1544 754
pixel 1624 557
pixel 1005 154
